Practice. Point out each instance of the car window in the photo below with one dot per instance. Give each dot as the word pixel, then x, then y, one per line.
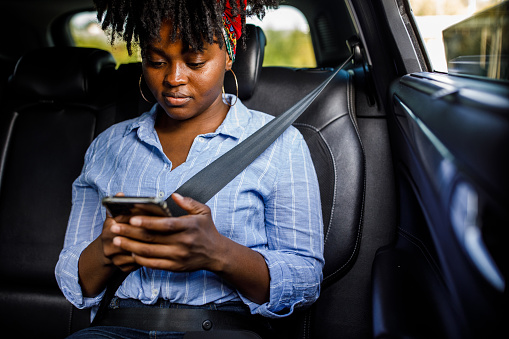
pixel 87 32
pixel 288 38
pixel 468 37
pixel 287 31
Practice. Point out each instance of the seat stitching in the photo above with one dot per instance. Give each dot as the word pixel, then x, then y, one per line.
pixel 359 232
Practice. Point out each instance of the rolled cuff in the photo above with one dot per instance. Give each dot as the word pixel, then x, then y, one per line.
pixel 294 284
pixel 66 274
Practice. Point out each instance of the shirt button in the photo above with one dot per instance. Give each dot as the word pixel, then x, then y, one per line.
pixel 154 292
pixel 160 194
pixel 201 139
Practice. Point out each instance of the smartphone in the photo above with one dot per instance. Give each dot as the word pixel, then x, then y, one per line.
pixel 122 205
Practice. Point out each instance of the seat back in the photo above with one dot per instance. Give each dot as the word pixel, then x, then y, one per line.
pixel 330 129
pixel 6 68
pixel 56 97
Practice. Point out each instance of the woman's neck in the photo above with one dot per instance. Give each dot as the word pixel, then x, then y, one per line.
pixel 177 136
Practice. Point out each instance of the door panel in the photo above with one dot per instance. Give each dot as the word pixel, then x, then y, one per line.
pixel 450 137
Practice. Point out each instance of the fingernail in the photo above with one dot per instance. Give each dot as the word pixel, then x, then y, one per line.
pixel 178 196
pixel 135 221
pixel 117 241
pixel 115 229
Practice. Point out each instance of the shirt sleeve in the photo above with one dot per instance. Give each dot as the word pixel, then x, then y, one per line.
pixel 294 227
pixel 84 225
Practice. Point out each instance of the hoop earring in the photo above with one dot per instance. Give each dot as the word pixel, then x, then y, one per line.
pixel 237 87
pixel 141 91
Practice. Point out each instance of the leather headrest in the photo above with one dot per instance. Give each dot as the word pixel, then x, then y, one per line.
pixel 61 73
pixel 248 63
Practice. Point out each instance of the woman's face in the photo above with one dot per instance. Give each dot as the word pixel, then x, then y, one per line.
pixel 186 83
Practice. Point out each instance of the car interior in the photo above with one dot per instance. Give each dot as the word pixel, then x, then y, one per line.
pixel 394 178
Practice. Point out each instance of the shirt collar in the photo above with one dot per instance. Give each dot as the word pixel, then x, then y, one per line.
pixel 144 122
pixel 236 120
pixel 233 125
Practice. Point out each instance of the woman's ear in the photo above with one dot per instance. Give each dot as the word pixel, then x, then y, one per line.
pixel 229 62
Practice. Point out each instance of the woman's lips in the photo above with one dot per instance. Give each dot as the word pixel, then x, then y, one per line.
pixel 176 99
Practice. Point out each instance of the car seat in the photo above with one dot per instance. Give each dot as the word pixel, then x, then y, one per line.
pixel 52 111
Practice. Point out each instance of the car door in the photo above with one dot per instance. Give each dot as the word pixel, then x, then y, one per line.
pixel 446 274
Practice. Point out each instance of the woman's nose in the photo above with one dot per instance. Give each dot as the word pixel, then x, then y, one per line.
pixel 175 75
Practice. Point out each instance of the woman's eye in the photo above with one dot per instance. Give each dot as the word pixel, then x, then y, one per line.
pixel 196 64
pixel 155 64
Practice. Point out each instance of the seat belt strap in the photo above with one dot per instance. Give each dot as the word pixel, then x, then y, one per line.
pixel 211 179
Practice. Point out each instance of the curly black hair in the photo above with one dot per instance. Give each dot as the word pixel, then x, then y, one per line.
pixel 194 21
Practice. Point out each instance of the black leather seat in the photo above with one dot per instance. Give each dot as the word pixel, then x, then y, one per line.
pixel 55 100
pixel 6 68
pixel 330 130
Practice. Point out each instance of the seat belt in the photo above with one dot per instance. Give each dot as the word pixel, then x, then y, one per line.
pixel 225 168
pixel 211 179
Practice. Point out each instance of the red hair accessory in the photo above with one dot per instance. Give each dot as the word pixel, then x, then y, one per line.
pixel 232 28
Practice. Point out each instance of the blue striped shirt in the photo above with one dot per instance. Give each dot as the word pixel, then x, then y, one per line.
pixel 272 207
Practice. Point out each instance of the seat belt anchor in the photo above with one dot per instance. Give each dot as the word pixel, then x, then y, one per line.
pixel 361 61
pixel 354 45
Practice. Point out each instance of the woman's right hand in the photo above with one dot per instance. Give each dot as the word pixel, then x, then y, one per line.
pixel 99 261
pixel 114 255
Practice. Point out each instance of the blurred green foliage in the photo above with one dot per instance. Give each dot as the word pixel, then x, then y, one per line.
pixel 118 50
pixel 289 48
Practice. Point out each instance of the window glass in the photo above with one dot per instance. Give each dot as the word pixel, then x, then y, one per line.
pixel 87 32
pixel 288 38
pixel 287 31
pixel 469 37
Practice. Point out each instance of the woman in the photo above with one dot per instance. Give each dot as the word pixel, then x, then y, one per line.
pixel 255 248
